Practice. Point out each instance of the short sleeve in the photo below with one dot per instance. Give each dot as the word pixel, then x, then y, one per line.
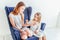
pixel 11 15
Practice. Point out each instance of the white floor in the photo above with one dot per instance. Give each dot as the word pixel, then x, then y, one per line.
pixel 53 33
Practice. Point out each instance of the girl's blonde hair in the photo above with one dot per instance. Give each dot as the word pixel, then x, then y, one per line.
pixel 39 16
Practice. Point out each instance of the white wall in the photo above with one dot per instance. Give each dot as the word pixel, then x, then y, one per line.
pixel 48 8
pixel 58 21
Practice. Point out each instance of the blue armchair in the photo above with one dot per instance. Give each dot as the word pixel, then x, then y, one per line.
pixel 15 33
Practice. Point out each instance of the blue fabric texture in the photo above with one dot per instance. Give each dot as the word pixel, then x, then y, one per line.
pixel 27 13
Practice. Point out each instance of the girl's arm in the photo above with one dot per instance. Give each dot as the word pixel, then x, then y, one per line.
pixel 30 23
pixel 12 22
pixel 22 21
pixel 38 28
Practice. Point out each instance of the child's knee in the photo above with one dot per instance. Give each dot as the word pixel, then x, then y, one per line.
pixel 40 38
pixel 24 33
pixel 30 35
pixel 23 37
pixel 44 37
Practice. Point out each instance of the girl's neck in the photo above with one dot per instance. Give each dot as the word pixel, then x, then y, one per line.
pixel 35 20
pixel 19 13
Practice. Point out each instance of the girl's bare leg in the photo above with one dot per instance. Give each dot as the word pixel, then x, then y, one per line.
pixel 28 33
pixel 23 35
pixel 44 38
pixel 40 38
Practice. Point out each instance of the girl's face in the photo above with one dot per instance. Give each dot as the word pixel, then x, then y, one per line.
pixel 21 9
pixel 36 17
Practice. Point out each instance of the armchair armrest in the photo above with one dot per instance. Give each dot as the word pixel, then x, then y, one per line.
pixel 43 26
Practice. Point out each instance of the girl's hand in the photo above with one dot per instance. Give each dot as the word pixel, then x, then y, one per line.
pixel 21 13
pixel 26 21
pixel 33 23
pixel 36 32
pixel 21 30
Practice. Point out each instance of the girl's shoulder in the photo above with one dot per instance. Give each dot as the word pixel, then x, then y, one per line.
pixel 31 21
pixel 11 14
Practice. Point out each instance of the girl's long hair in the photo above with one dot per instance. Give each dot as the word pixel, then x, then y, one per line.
pixel 39 16
pixel 16 9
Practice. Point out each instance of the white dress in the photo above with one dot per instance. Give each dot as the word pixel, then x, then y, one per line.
pixel 36 27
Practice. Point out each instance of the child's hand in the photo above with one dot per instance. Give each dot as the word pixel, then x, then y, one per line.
pixel 33 23
pixel 36 32
pixel 21 30
pixel 26 21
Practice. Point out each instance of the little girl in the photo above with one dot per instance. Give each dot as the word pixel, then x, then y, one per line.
pixel 35 25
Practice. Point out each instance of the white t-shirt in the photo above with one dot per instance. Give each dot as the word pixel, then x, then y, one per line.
pixel 17 20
